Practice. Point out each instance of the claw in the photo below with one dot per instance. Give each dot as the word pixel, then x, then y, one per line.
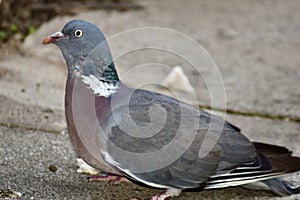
pixel 166 194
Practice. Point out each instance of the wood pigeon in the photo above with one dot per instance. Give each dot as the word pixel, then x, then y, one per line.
pixel 151 138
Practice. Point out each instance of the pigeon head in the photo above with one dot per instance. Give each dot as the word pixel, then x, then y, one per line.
pixel 85 50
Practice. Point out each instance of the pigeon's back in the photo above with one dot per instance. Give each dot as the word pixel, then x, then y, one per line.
pixel 161 141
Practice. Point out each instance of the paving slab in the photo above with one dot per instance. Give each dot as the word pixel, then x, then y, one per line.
pixel 28 154
pixel 31 117
pixel 255 46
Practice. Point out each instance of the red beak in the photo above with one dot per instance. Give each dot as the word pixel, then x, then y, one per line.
pixel 53 38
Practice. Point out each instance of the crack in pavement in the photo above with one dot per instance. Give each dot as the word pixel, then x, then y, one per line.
pixel 13 125
pixel 229 111
pixel 251 114
pixel 15 114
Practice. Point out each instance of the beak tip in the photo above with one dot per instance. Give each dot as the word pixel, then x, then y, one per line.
pixel 47 40
pixel 53 38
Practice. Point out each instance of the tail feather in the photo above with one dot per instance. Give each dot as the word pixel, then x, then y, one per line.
pixel 275 185
pixel 280 187
pixel 281 158
pixel 272 161
pixel 258 170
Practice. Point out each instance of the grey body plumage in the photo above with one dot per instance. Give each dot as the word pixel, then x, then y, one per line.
pixel 122 135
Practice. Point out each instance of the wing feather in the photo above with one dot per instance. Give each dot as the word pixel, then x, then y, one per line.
pixel 224 146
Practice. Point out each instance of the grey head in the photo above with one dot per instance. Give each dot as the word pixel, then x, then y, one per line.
pixel 85 50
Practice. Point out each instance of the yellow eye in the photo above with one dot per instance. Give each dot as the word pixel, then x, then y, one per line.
pixel 78 33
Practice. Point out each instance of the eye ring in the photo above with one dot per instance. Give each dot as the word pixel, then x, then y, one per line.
pixel 78 33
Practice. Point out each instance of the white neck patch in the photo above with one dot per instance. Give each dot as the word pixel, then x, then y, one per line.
pixel 99 87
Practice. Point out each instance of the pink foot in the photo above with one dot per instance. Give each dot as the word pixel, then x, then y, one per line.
pixel 164 194
pixel 109 177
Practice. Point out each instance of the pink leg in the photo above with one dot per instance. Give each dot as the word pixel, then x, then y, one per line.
pixel 164 194
pixel 115 179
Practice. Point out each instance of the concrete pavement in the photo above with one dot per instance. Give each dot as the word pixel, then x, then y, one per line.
pixel 254 44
